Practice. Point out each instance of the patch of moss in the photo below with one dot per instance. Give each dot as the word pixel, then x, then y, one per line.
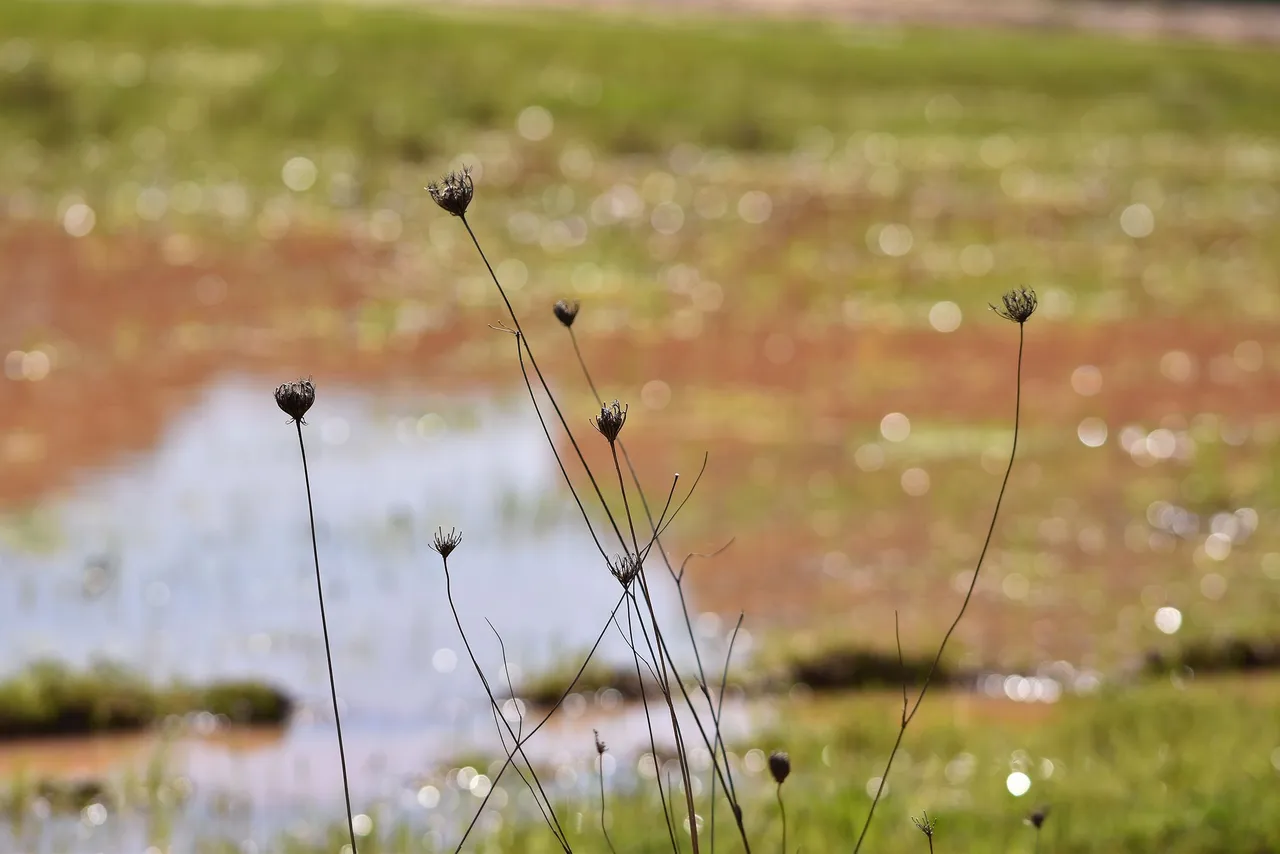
pixel 50 698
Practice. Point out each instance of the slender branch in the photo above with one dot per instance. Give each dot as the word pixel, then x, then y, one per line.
pixel 328 650
pixel 543 381
pixel 565 693
pixel 554 822
pixel 658 528
pixel 603 827
pixel 648 720
pixel 902 668
pixel 1013 452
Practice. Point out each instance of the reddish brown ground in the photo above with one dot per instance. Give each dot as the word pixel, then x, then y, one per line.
pixel 136 345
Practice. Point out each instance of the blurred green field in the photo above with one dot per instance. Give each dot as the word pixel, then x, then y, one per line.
pixel 783 233
pixel 1197 776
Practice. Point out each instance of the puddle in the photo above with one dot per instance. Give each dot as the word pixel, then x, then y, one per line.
pixel 193 561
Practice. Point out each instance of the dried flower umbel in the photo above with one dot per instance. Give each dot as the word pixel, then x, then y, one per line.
pixel 925 824
pixel 1017 305
pixel 610 422
pixel 1036 819
pixel 444 544
pixel 625 568
pixel 453 192
pixel 566 311
pixel 779 766
pixel 295 398
pixel 601 747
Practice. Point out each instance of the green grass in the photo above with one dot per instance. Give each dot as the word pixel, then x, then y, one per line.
pixel 48 698
pixel 1186 769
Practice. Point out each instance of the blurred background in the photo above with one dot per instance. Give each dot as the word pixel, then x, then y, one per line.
pixel 784 223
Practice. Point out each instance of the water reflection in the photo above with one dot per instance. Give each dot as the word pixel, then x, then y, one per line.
pixel 193 562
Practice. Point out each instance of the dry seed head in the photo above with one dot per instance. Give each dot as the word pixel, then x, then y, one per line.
pixel 1036 819
pixel 566 311
pixel 601 747
pixel 453 192
pixel 925 824
pixel 295 398
pixel 610 422
pixel 625 568
pixel 779 766
pixel 444 543
pixel 1018 305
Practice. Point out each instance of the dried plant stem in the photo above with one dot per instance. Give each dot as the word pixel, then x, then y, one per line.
pixel 907 718
pixel 661 657
pixel 782 809
pixel 603 828
pixel 648 721
pixel 715 744
pixel 510 760
pixel 546 388
pixel 550 815
pixel 328 650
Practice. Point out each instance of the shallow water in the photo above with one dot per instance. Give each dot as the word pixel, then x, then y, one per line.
pixel 193 561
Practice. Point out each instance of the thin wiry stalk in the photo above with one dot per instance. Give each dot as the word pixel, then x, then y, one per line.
pixel 553 821
pixel 547 432
pixel 519 723
pixel 603 827
pixel 727 773
pixel 648 721
pixel 328 650
pixel 782 808
pixel 665 685
pixel 716 717
pixel 902 668
pixel 542 380
pixel 567 691
pixel 1017 416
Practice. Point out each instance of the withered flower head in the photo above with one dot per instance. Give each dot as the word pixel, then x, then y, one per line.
pixel 453 192
pixel 779 766
pixel 446 543
pixel 1036 819
pixel 601 747
pixel 625 568
pixel 1018 305
pixel 566 311
pixel 295 398
pixel 925 824
pixel 610 422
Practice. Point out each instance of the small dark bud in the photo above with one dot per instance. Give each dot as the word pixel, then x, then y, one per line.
pixel 1018 305
pixel 610 422
pixel 925 824
pixel 601 747
pixel 779 766
pixel 566 311
pixel 444 543
pixel 625 568
pixel 295 398
pixel 453 192
pixel 1036 819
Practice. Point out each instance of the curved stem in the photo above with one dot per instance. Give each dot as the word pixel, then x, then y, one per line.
pixel 973 582
pixel 328 650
